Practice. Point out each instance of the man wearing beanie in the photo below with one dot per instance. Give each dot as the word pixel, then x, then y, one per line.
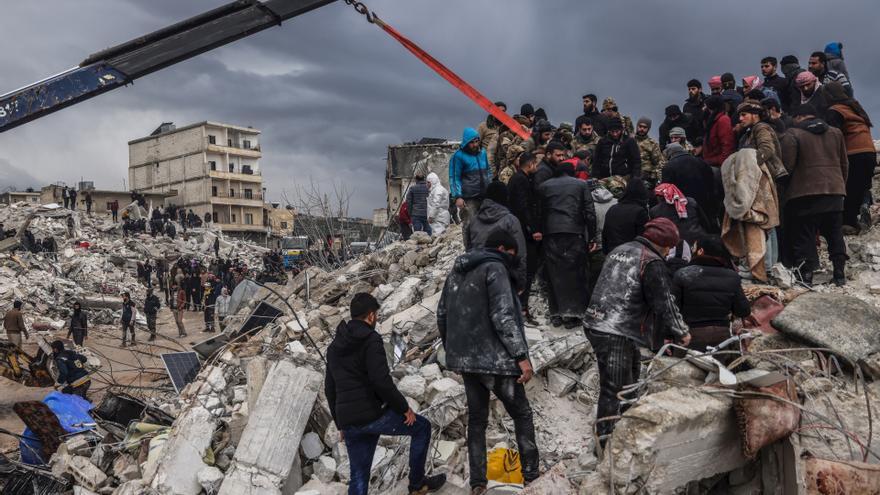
pixel 495 215
pixel 634 284
pixel 652 157
pixel 481 327
pixel 791 68
pixel 365 403
pixel 528 111
pixel 616 154
pixel 675 118
pixel 567 229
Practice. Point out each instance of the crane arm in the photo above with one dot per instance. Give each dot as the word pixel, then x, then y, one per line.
pixel 122 64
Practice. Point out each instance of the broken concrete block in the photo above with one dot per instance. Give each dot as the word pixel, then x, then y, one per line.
pixel 383 291
pixel 402 297
pixel 671 438
pixel 255 370
pixel 177 470
pixel 85 473
pixel 325 469
pixel 412 386
pixel 125 468
pixel 210 478
pixel 431 372
pixel 549 353
pixel 268 448
pixel 133 487
pixel 318 487
pixel 560 381
pixel 440 387
pixel 311 445
pixel 419 321
pixel 842 323
pixel 297 350
pixel 553 481
pixel 444 451
pixel 448 403
pixel 216 380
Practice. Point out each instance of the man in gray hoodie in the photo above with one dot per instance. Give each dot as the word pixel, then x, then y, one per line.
pixel 494 215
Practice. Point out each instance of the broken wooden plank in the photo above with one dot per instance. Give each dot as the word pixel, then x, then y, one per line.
pixel 266 454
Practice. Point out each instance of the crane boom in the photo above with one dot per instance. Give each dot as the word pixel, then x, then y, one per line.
pixel 122 64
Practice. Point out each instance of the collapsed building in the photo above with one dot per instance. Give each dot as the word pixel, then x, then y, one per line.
pixel 791 412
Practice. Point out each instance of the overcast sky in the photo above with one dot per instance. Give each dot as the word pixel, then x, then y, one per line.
pixel 330 92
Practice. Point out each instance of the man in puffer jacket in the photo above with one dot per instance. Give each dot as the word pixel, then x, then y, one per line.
pixel 481 326
pixel 469 176
pixel 438 205
pixel 417 199
pixel 495 215
pixel 365 403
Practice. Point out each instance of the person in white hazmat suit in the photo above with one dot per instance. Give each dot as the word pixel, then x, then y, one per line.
pixel 438 205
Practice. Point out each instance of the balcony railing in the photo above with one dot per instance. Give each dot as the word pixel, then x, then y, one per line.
pixel 256 196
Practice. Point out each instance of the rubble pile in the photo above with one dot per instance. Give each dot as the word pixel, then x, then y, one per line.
pixel 93 263
pixel 255 419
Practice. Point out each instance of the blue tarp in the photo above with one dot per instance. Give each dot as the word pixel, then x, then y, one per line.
pixel 71 410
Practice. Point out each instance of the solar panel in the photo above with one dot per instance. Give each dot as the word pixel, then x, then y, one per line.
pixel 182 368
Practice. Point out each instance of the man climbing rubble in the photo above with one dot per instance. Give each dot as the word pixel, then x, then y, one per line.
pixel 14 324
pixel 481 326
pixel 365 403
pixel 633 284
pixel 72 374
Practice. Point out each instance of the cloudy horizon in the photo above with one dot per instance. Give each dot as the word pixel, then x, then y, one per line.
pixel 330 92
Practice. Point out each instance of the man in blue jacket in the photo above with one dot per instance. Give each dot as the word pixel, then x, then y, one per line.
pixel 469 176
pixel 72 374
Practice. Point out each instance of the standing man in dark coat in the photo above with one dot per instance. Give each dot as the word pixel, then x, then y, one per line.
pixel 79 325
pixel 128 318
pixel 151 309
pixel 634 284
pixel 616 154
pixel 592 114
pixel 14 325
pixel 482 330
pixel 114 210
pixel 88 203
pixel 694 178
pixel 626 220
pixel 568 231
pixel 494 215
pixel 521 196
pixel 814 154
pixel 694 107
pixel 365 403
pixel 417 199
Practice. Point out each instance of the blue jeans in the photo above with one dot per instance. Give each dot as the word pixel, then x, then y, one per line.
pixel 421 224
pixel 361 444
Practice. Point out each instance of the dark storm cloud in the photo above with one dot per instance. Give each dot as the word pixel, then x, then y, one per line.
pixel 330 92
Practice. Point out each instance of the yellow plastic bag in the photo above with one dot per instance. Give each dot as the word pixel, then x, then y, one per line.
pixel 503 466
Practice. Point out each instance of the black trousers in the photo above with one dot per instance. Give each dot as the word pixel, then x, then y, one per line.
pixel 802 237
pixel 78 337
pixel 513 396
pixel 858 183
pixel 532 260
pixel 618 359
pixel 566 265
pixel 151 325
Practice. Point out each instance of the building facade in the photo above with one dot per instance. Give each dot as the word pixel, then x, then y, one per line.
pixel 11 197
pixel 211 167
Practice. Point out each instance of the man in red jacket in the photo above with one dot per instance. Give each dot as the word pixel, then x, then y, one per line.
pixel 719 142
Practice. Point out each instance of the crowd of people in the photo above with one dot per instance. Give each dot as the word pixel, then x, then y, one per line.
pixel 637 241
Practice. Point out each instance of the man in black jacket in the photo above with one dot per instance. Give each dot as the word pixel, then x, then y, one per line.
pixel 634 284
pixel 72 374
pixel 771 78
pixel 128 318
pixel 708 292
pixel 568 232
pixel 482 330
pixel 592 113
pixel 694 178
pixel 675 118
pixel 151 309
pixel 79 325
pixel 616 154
pixel 626 220
pixel 494 215
pixel 694 107
pixel 521 198
pixel 365 403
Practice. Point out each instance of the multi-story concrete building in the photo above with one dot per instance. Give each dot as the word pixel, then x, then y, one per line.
pixel 10 197
pixel 214 168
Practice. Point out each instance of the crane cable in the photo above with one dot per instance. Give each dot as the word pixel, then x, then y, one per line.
pixel 442 70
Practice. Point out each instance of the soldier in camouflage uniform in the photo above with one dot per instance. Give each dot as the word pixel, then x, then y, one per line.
pixel 565 135
pixel 499 147
pixel 609 110
pixel 510 163
pixel 652 158
pixel 586 138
